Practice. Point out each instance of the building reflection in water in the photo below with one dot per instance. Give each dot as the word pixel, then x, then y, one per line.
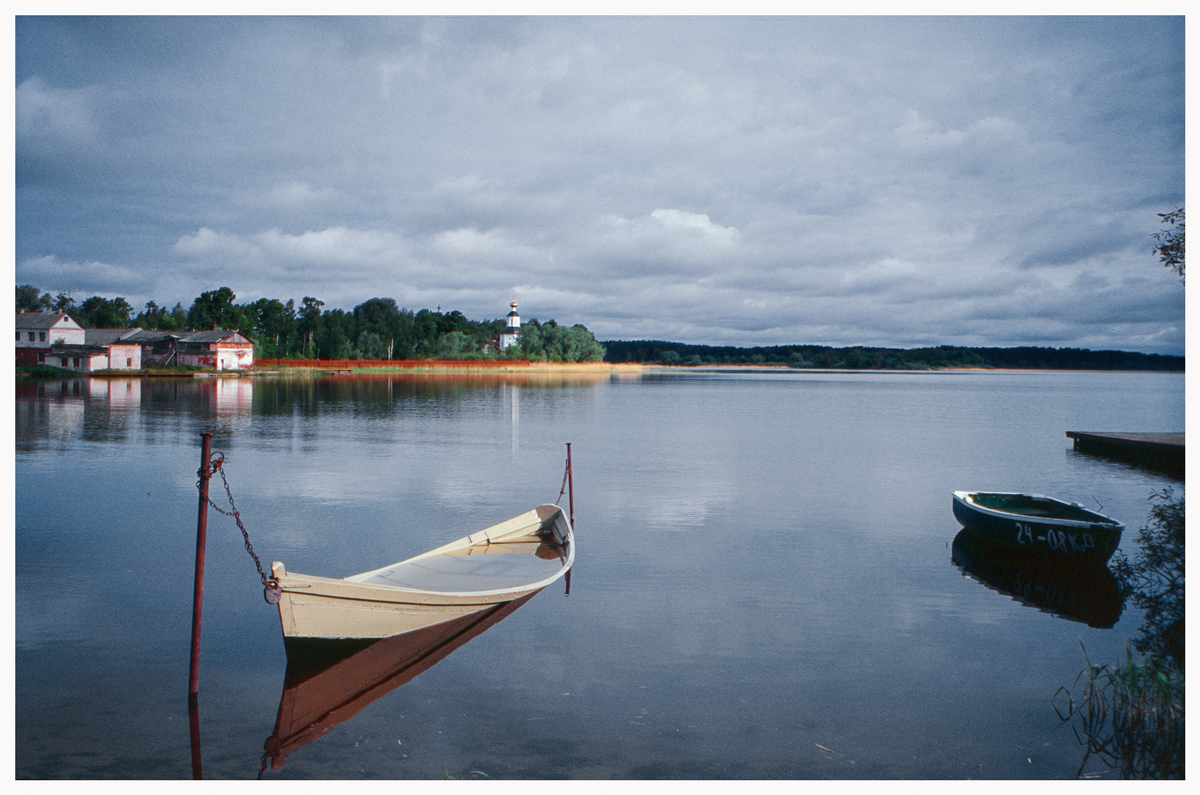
pixel 108 408
pixel 120 393
pixel 234 396
pixel 513 393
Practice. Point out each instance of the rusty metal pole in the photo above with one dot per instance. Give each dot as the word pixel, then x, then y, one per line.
pixel 201 542
pixel 194 726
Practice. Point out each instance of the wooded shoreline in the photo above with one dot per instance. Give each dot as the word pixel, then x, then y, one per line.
pixel 821 357
pixel 503 368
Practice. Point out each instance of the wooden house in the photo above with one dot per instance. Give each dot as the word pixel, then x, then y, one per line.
pixel 56 340
pixel 123 354
pixel 45 329
pixel 211 350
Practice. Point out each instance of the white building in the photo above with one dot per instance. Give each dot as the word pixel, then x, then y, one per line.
pixel 122 354
pixel 512 331
pixel 55 339
pixel 46 329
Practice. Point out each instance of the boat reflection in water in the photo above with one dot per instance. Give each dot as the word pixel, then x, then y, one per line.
pixel 1087 594
pixel 329 682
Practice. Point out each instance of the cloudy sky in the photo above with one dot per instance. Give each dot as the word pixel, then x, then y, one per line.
pixel 895 181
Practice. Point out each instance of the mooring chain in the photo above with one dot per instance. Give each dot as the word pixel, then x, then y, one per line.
pixel 271 588
pixel 566 475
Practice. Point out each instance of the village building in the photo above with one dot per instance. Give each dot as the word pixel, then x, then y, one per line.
pixel 44 329
pixel 56 340
pixel 123 353
pixel 80 358
pixel 210 350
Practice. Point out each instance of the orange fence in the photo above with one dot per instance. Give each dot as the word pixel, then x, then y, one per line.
pixel 391 364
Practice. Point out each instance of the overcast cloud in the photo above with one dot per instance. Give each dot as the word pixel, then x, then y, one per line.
pixel 894 181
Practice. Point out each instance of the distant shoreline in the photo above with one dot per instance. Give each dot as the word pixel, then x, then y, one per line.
pixel 633 368
pixel 483 367
pixel 509 368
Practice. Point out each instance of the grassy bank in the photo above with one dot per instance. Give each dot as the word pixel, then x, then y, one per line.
pixel 45 372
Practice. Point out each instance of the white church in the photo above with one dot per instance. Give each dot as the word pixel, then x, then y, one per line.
pixel 512 331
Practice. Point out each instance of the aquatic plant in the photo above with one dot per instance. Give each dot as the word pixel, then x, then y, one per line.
pixel 1154 581
pixel 1131 717
pixel 463 776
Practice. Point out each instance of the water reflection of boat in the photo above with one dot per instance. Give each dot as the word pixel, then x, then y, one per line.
pixel 1089 595
pixel 332 681
pixel 481 571
pixel 1039 524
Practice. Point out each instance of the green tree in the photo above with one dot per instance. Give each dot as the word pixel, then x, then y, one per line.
pixel 30 299
pixel 271 326
pixel 215 310
pixel 454 345
pixel 575 344
pixel 1170 241
pixel 310 316
pixel 332 339
pixel 99 312
pixel 426 334
pixel 370 346
pixel 176 321
pixel 452 321
pixel 64 302
pixel 151 317
pixel 530 343
pixel 393 326
pixel 590 349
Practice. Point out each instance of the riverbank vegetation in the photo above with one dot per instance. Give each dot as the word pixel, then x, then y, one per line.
pixel 864 358
pixel 379 330
pixel 376 329
pixel 43 372
pixel 1131 716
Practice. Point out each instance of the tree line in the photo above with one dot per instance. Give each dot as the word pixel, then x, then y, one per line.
pixel 1170 247
pixel 376 329
pixel 380 330
pixel 865 358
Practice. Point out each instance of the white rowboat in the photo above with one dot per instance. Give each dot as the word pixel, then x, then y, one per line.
pixel 491 567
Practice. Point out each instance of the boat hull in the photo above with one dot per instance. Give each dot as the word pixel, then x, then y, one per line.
pixel 312 608
pixel 1062 531
pixel 450 583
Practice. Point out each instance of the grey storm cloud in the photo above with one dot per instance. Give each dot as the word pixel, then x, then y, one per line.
pixel 898 181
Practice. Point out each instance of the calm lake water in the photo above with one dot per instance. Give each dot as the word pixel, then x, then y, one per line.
pixel 764 584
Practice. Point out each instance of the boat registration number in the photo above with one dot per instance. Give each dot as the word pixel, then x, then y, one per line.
pixel 1059 540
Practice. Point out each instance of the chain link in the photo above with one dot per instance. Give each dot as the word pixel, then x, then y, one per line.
pixel 271 588
pixel 566 475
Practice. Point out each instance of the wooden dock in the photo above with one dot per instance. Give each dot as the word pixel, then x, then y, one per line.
pixel 1162 452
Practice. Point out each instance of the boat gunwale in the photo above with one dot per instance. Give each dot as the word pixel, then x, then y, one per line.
pixel 354 589
pixel 1101 521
